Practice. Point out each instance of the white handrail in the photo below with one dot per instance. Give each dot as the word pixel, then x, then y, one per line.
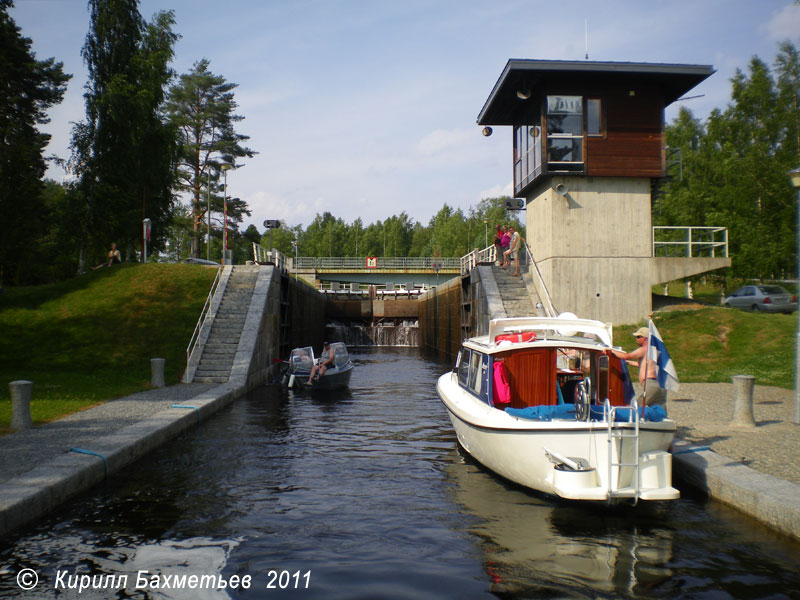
pixel 693 242
pixel 549 309
pixel 262 256
pixel 196 334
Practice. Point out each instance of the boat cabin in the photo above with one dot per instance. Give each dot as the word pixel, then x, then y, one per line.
pixel 517 366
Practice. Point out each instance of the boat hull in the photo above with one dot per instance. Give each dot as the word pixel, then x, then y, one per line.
pixel 520 450
pixel 332 379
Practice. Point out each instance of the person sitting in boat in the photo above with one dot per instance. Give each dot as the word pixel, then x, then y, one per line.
pixel 647 375
pixel 324 363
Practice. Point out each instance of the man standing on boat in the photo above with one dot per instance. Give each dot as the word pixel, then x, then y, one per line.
pixel 325 361
pixel 651 389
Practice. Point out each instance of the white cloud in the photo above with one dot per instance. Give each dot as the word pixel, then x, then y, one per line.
pixel 784 24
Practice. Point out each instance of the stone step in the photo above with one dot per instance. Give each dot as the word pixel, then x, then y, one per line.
pixel 198 379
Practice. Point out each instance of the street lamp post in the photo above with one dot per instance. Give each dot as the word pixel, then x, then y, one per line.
pixel 208 214
pixel 486 233
pixel 794 177
pixel 225 167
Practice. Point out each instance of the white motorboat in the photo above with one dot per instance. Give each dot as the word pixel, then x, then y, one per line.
pixel 543 402
pixel 301 361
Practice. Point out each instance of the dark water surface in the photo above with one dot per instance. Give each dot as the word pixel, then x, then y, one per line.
pixel 364 494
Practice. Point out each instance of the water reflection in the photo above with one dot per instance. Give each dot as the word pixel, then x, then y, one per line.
pixel 366 489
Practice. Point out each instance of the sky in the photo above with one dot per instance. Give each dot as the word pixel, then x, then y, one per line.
pixel 368 108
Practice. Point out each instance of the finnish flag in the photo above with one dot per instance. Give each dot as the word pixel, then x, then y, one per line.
pixel 666 374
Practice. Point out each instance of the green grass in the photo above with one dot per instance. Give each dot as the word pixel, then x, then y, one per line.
pixel 91 339
pixel 713 344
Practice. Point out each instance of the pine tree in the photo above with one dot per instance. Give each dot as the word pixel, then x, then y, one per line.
pixel 29 87
pixel 201 107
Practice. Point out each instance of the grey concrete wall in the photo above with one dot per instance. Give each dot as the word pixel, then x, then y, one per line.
pixel 307 315
pixel 594 247
pixel 260 342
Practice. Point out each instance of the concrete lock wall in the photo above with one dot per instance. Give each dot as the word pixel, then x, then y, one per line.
pixel 440 318
pixel 261 336
pixel 307 316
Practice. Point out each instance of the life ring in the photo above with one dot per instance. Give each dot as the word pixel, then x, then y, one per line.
pixel 516 338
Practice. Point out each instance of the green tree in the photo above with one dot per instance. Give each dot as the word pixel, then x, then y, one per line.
pixel 29 87
pixel 201 107
pixel 123 153
pixel 734 169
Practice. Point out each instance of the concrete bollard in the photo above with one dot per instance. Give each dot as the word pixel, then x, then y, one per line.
pixel 157 370
pixel 743 417
pixel 21 392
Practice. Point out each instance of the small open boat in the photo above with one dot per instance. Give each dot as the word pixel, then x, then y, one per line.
pixel 301 361
pixel 543 402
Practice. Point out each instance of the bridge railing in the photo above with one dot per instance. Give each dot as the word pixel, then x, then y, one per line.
pixel 378 262
pixel 379 291
pixel 690 242
pixel 262 256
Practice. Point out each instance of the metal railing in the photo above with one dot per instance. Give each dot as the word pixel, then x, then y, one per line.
pixel 262 256
pixel 379 262
pixel 196 333
pixel 489 256
pixel 478 257
pixel 379 291
pixel 690 242
pixel 544 293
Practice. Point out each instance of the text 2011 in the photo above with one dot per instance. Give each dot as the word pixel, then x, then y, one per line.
pixel 282 580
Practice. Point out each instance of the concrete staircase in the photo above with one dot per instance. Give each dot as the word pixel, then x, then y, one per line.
pixel 223 340
pixel 519 298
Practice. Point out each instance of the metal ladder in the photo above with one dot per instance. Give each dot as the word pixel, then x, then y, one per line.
pixel 619 433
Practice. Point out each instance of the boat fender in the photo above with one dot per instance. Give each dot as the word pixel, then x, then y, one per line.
pixel 517 338
pixel 291 381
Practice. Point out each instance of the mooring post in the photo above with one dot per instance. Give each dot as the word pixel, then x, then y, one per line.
pixel 21 404
pixel 743 417
pixel 157 370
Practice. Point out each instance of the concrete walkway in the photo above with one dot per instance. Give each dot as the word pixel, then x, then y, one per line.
pixel 39 470
pixel 755 471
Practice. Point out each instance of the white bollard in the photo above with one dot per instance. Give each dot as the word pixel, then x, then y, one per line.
pixel 157 371
pixel 743 417
pixel 21 392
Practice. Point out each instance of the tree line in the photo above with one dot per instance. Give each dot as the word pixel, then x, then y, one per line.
pixel 155 145
pixel 733 169
pixel 451 232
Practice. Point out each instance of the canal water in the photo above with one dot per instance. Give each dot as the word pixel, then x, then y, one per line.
pixel 365 494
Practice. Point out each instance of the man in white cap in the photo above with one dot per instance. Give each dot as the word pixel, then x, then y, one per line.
pixel 647 376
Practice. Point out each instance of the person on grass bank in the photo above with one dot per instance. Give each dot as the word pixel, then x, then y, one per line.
pixel 113 257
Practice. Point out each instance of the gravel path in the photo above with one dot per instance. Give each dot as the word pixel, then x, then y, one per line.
pixel 703 413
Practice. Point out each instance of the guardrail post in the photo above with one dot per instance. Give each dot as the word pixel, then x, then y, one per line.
pixel 21 392
pixel 743 417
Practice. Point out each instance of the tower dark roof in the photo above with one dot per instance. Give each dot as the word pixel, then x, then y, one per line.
pixel 525 75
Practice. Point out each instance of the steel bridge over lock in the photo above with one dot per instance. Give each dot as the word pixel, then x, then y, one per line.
pixel 388 274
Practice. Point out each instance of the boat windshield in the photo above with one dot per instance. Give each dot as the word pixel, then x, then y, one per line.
pixel 302 359
pixel 340 355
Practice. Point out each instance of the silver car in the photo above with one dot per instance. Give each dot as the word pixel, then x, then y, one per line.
pixel 766 298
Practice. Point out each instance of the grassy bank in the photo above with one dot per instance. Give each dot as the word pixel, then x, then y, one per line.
pixel 711 345
pixel 91 339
